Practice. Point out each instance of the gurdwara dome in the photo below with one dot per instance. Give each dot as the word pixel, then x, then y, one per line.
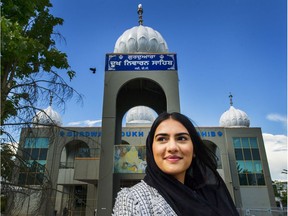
pixel 234 118
pixel 141 39
pixel 140 115
pixel 47 117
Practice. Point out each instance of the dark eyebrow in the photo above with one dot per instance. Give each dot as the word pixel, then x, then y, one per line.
pixel 161 134
pixel 184 133
pixel 178 134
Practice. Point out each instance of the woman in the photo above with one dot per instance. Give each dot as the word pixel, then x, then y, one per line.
pixel 181 177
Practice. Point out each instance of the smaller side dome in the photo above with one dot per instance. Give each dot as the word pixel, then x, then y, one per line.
pixel 47 117
pixel 140 115
pixel 234 118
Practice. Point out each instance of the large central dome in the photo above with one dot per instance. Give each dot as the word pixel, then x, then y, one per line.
pixel 141 39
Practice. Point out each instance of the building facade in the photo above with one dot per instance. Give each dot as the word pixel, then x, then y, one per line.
pixel 83 168
pixel 71 157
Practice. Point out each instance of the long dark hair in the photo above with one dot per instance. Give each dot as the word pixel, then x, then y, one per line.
pixel 204 158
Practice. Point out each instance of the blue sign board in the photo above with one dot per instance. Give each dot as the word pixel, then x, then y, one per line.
pixel 140 62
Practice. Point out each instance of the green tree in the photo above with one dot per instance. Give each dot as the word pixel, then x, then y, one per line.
pixel 32 69
pixel 30 60
pixel 7 152
pixel 7 161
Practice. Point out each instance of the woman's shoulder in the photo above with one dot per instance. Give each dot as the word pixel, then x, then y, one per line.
pixel 141 199
pixel 140 192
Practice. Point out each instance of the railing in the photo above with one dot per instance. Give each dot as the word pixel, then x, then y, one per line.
pixel 88 153
pixel 83 153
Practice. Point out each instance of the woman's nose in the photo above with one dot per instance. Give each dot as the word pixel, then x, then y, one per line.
pixel 172 145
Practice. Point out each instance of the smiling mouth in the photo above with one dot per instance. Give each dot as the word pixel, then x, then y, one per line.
pixel 173 158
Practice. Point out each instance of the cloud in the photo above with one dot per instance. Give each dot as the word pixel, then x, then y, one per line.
pixel 277 118
pixel 276 151
pixel 88 123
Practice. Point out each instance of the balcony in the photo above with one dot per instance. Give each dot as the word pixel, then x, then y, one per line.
pixel 87 166
pixel 84 168
pixel 87 170
pixel 128 160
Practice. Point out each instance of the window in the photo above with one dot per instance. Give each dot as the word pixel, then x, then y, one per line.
pixel 243 179
pixel 35 155
pixel 255 154
pixel 245 142
pixel 248 161
pixel 239 154
pixel 260 179
pixel 253 143
pixel 237 143
pixel 249 166
pixel 241 167
pixel 42 154
pixel 251 179
pixel 247 154
pixel 258 166
pixel 39 142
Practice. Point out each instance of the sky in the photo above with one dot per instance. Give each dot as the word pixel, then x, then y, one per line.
pixel 222 46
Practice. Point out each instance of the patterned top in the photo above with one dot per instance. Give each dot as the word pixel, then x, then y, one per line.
pixel 141 199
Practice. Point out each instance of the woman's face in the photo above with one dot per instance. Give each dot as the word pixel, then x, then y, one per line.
pixel 172 148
